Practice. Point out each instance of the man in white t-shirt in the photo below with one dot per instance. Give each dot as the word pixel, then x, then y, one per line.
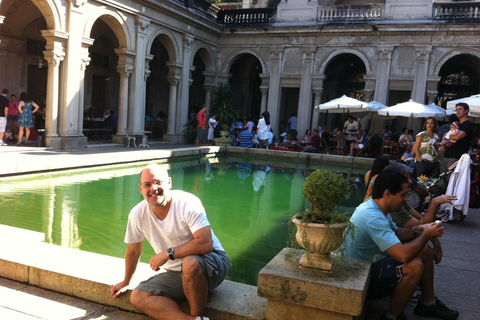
pixel 176 226
pixel 350 127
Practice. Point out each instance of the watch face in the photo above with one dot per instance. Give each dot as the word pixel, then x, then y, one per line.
pixel 170 252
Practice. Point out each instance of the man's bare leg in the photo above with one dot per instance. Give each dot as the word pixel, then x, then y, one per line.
pixel 195 285
pixel 412 272
pixel 426 281
pixel 157 307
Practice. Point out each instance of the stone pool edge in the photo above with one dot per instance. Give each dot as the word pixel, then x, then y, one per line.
pixel 85 275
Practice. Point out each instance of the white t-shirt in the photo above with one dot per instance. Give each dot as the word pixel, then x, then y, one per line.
pixel 350 128
pixel 185 216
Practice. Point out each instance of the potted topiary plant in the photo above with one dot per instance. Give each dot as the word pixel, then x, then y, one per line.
pixel 319 229
pixel 222 102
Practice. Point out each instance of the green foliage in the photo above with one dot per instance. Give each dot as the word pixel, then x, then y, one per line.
pixel 225 127
pixel 190 131
pixel 323 189
pixel 222 101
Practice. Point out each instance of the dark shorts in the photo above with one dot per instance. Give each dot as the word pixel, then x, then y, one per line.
pixel 215 266
pixel 200 133
pixel 384 276
pixel 12 118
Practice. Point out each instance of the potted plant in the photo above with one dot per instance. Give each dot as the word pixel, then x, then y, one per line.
pixel 319 229
pixel 222 102
pixel 225 131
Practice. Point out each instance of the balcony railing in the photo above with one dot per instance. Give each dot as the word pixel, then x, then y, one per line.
pixel 457 11
pixel 247 16
pixel 348 13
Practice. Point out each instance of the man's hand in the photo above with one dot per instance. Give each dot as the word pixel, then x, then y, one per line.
pixel 117 289
pixel 432 230
pixel 158 260
pixel 443 199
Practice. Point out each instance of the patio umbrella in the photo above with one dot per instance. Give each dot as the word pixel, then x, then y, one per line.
pixel 412 109
pixel 375 106
pixel 342 104
pixel 472 101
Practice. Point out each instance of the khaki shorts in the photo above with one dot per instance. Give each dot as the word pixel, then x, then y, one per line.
pixel 215 266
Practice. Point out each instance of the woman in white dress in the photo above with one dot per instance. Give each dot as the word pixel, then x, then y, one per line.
pixel 263 128
pixel 212 123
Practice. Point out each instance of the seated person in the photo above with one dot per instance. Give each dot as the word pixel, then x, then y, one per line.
pixel 409 158
pixel 246 138
pixel 358 143
pixel 327 136
pixel 314 142
pixel 401 261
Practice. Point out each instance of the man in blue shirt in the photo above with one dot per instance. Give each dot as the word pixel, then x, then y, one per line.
pixel 398 267
pixel 246 138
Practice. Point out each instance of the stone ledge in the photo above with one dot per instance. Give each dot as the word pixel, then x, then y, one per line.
pixel 88 276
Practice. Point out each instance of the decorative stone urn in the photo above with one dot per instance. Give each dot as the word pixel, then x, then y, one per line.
pixel 320 240
pixel 224 140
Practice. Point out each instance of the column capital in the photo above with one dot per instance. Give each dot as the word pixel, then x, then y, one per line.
pixel 146 73
pixel 317 91
pixel 54 57
pixel 385 52
pixel 84 62
pixel 422 53
pixel 309 53
pixel 173 80
pixel 142 23
pixel 276 53
pixel 264 89
pixel 188 40
pixel 431 96
pixel 368 93
pixel 317 81
pixel 208 87
pixel 125 70
pixel 78 3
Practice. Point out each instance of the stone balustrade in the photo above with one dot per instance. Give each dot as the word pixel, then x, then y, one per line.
pixel 247 16
pixel 347 13
pixel 457 11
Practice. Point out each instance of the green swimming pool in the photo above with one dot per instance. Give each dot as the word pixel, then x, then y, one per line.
pixel 248 203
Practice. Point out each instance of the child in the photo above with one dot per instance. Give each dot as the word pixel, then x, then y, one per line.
pixel 446 137
pixel 8 134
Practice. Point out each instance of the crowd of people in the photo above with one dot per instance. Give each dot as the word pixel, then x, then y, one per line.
pixel 18 118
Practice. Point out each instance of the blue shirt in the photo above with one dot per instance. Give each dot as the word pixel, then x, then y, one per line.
pixel 246 139
pixel 374 233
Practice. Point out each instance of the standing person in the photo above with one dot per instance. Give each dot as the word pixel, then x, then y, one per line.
pixel 263 128
pixel 176 225
pixel 212 123
pixel 350 126
pixel 3 114
pixel 25 121
pixel 426 156
pixel 463 138
pixel 202 121
pixel 12 119
pixel 401 260
pixel 292 122
pixel 250 124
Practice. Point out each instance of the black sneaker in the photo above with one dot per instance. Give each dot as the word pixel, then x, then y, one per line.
pixel 399 317
pixel 437 310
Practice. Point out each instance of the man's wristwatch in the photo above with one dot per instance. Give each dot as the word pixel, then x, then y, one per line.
pixel 170 252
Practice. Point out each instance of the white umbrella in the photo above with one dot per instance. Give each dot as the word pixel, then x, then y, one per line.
pixel 411 109
pixel 342 104
pixel 442 112
pixel 472 101
pixel 375 106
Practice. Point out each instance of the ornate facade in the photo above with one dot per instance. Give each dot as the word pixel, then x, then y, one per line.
pixel 142 57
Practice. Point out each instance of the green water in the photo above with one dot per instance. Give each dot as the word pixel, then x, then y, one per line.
pixel 248 204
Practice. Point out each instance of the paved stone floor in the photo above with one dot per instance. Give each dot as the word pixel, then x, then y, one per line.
pixel 457 277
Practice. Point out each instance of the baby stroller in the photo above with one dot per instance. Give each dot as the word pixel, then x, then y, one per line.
pixel 454 181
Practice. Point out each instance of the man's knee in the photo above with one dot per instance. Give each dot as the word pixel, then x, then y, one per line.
pixel 138 296
pixel 191 267
pixel 413 267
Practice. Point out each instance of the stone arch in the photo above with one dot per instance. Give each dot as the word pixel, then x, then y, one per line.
pixel 447 56
pixel 238 54
pixel 167 38
pixel 47 8
pixel 51 13
pixel 206 53
pixel 116 21
pixel 331 56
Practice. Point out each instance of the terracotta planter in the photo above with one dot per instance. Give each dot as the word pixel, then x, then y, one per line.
pixel 321 239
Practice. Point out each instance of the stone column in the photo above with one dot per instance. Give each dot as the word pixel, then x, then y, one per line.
pixel 184 87
pixel 317 96
pixel 124 71
pixel 172 107
pixel 368 93
pixel 208 97
pixel 384 60
pixel 305 99
pixel 136 99
pixel 54 54
pixel 422 57
pixel 263 104
pixel 273 106
pixel 431 96
pixel 84 62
